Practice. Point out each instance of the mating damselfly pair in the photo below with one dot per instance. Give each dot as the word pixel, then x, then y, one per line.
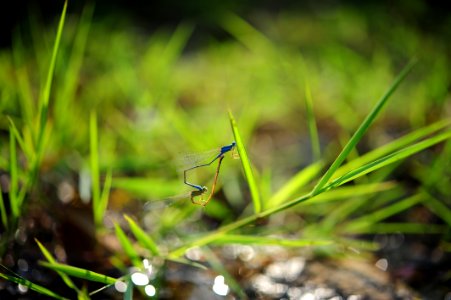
pixel 200 191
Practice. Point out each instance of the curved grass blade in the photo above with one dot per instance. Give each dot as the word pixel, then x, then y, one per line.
pixel 79 272
pixel 347 192
pixel 32 286
pixel 381 214
pixel 262 240
pixel 389 159
pixel 127 245
pixel 45 96
pixel 52 260
pixel 246 166
pixel 389 228
pixel 26 148
pixel 437 207
pixel 13 170
pixel 393 146
pixel 362 128
pixel 142 237
pixel 67 91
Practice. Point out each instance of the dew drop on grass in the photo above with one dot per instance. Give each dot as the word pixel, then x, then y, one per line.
pixel 150 290
pixel 22 288
pixel 140 279
pixel 120 286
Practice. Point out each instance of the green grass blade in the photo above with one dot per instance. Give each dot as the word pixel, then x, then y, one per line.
pixel 3 211
pixel 294 184
pixel 127 245
pixel 362 129
pixel 389 159
pixel 393 146
pixel 437 207
pixel 52 260
pixel 246 33
pixel 79 273
pixel 103 201
pixel 128 295
pixel 45 96
pixel 26 148
pixel 311 122
pixel 246 166
pixel 262 240
pixel 74 64
pixel 94 168
pixel 14 173
pixel 32 286
pixel 407 228
pixel 142 237
pixel 383 213
pixel 347 192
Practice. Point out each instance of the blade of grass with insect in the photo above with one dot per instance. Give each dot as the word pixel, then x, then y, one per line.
pixel 79 273
pixel 295 184
pixel 143 237
pixel 32 286
pixel 52 260
pixel 208 238
pixel 127 245
pixel 255 194
pixel 362 128
pixel 389 159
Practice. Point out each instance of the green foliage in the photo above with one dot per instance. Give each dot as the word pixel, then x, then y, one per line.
pixel 32 286
pixel 80 273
